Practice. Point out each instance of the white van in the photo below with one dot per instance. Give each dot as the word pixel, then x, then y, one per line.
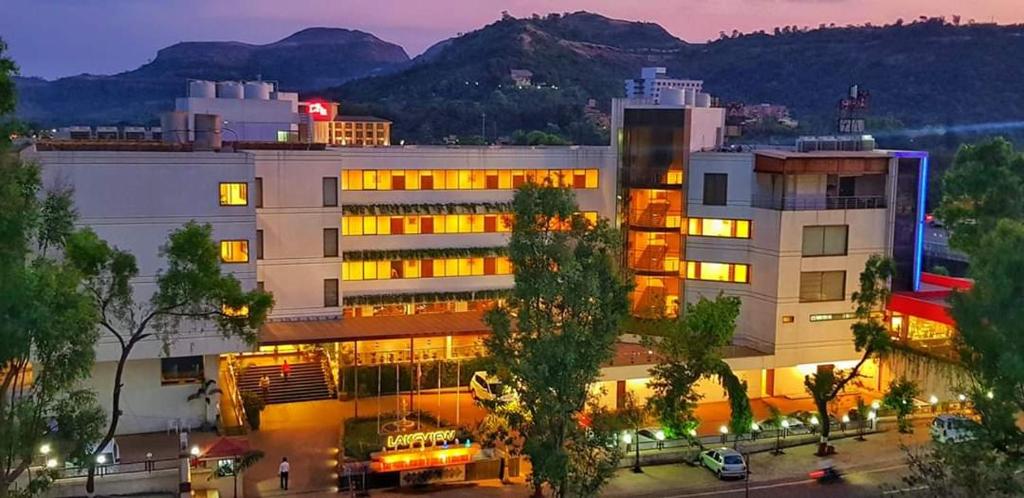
pixel 952 429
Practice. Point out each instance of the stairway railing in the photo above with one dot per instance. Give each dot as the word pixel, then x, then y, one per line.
pixel 236 395
pixel 328 372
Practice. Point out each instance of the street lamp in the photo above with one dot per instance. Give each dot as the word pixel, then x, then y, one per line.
pixel 44 449
pixel 990 394
pixel 659 435
pixel 725 433
pixel 783 426
pixel 51 463
pixel 875 405
pixel 194 451
pixel 627 438
pixel 101 459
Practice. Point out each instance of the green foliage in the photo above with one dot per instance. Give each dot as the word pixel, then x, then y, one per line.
pixel 48 329
pixel 870 338
pixel 252 404
pixel 690 349
pixel 960 470
pixel 557 329
pixel 984 185
pixel 536 137
pixel 446 208
pixel 368 377
pixel 424 297
pixel 440 253
pixel 8 69
pixel 900 397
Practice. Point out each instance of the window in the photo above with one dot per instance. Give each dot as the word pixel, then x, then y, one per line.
pixel 712 227
pixel 825 240
pixel 259 244
pixel 715 189
pixel 424 268
pixel 330 191
pixel 234 251
pixel 181 370
pixel 818 286
pixel 260 286
pixel 718 272
pixel 259 192
pixel 330 292
pixel 330 242
pixel 234 194
pixel 465 179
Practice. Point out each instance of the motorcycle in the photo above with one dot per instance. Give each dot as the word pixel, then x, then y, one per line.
pixel 826 475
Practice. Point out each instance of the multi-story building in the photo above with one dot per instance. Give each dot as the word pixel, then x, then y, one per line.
pixel 251 111
pixel 653 80
pixel 391 254
pixel 323 123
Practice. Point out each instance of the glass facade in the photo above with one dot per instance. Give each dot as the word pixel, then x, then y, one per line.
pixel 425 268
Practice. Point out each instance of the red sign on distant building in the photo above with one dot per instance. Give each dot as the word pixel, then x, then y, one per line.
pixel 319 111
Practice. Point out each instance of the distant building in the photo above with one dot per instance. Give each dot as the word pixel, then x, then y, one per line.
pixel 521 77
pixel 321 122
pixel 653 80
pixel 84 133
pixel 251 111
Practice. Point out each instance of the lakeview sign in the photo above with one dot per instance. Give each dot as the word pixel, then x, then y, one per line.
pixel 432 438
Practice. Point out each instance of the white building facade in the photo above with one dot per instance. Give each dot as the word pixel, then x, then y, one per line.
pixel 653 81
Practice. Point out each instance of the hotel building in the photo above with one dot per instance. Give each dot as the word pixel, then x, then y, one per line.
pixel 390 255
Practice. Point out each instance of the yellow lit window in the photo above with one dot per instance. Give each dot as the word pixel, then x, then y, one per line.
pixel 412 224
pixel 451 267
pixel 412 180
pixel 383 225
pixel 369 270
pixel 234 312
pixel 369 225
pixel 502 266
pixel 439 267
pixel 478 177
pixel 370 179
pixel 505 179
pixel 718 272
pixel 674 177
pixel 714 227
pixel 352 180
pixel 411 268
pixel 451 179
pixel 451 223
pixel 592 175
pixel 234 194
pixel 234 251
pixel 385 271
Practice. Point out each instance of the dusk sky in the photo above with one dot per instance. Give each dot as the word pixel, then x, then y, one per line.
pixel 53 38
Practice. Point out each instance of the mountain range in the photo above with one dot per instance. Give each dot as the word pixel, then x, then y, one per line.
pixel 925 73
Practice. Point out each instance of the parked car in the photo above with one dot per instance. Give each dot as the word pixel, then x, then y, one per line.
pixel 724 462
pixel 952 429
pixel 487 387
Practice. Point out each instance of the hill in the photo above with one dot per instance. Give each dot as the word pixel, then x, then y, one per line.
pixel 311 58
pixel 924 73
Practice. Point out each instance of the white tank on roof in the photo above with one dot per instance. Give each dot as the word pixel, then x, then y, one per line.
pixel 259 90
pixel 202 89
pixel 229 90
pixel 671 96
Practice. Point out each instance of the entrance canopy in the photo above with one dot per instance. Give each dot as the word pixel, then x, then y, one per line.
pixel 374 327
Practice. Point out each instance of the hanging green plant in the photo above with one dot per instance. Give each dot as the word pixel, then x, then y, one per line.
pixel 425 297
pixel 409 209
pixel 439 253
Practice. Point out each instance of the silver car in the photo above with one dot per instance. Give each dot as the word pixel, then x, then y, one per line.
pixel 724 462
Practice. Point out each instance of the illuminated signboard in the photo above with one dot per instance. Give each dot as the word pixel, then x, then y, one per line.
pixel 420 439
pixel 319 111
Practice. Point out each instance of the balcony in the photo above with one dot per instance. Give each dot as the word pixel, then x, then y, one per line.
pixel 820 202
pixel 656 216
pixel 654 259
pixel 639 178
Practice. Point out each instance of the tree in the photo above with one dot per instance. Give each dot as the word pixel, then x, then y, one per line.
pixel 960 470
pixel 47 330
pixel 557 329
pixel 236 466
pixel 690 349
pixel 870 338
pixel 8 69
pixel 984 185
pixel 900 397
pixel 192 286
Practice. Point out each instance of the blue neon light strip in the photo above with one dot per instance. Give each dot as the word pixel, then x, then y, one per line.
pixel 922 194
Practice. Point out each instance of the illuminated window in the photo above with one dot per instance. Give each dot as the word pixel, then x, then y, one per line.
pixel 466 179
pixel 234 251
pixel 718 272
pixel 234 194
pixel 424 268
pixel 714 227
pixel 235 312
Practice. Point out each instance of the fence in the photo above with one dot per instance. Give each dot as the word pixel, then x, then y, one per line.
pixel 145 466
pixel 820 202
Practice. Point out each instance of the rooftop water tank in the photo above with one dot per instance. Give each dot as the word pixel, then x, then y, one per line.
pixel 671 96
pixel 229 90
pixel 703 100
pixel 202 89
pixel 174 127
pixel 208 132
pixel 689 96
pixel 259 90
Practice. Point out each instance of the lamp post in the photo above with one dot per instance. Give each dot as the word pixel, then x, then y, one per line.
pixel 725 433
pixel 783 426
pixel 628 439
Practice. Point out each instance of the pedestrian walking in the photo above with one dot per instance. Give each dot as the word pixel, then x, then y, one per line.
pixel 285 370
pixel 265 386
pixel 282 470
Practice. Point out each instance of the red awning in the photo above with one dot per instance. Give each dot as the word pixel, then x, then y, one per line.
pixel 225 448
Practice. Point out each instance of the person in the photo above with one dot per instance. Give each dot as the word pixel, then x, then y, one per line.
pixel 282 470
pixel 285 370
pixel 265 386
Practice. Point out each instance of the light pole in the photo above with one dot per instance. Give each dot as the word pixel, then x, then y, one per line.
pixel 783 426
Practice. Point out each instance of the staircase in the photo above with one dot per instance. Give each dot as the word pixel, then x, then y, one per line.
pixel 306 382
